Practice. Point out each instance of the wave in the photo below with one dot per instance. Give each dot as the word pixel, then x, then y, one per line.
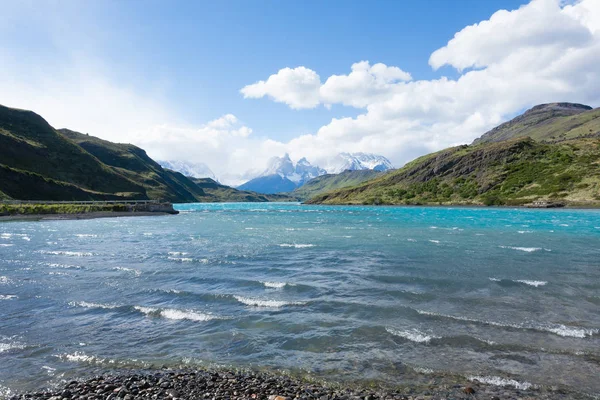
pixel 412 335
pixel 189 259
pixel 498 381
pixel 5 280
pixel 421 370
pixel 525 281
pixel 297 246
pixel 136 272
pixel 6 245
pixel 86 304
pixel 68 253
pixel 80 356
pixel 4 347
pixel 558 329
pixel 532 283
pixel 84 235
pixel 434 241
pixel 171 313
pixel 56 265
pixel 178 253
pixel 266 303
pixel 277 285
pixel 8 296
pixel 526 249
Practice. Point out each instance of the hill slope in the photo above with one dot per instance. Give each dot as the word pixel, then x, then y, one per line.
pixel 328 182
pixel 217 193
pixel 548 122
pixel 38 162
pixel 561 165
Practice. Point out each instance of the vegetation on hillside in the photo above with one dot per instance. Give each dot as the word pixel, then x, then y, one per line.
pixel 513 172
pixel 550 123
pixel 329 182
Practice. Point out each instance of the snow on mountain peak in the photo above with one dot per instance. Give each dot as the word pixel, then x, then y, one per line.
pixel 194 170
pixel 358 161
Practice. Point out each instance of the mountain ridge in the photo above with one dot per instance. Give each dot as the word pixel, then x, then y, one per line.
pixel 560 165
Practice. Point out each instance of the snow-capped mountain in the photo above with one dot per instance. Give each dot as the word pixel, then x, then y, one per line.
pixel 194 170
pixel 299 173
pixel 282 175
pixel 357 161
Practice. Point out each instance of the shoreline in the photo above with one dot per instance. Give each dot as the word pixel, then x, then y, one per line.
pixel 224 384
pixel 77 216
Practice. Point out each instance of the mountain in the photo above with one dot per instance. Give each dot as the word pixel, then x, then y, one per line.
pixel 189 169
pixel 357 161
pixel 550 154
pixel 270 184
pixel 328 182
pixel 282 175
pixel 38 162
pixel 548 122
pixel 217 193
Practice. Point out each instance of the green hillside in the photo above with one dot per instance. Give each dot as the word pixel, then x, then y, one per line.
pixel 329 182
pixel 38 162
pixel 215 192
pixel 514 171
pixel 548 122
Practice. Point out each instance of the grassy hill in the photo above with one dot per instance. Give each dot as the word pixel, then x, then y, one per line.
pixel 550 123
pixel 38 162
pixel 215 192
pixel 502 168
pixel 329 182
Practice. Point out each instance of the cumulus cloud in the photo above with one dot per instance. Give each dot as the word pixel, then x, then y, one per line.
pixel 298 88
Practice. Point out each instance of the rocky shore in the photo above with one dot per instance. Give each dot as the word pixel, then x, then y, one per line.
pixel 228 385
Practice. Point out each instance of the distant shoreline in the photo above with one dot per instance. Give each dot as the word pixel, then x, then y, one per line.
pixel 90 215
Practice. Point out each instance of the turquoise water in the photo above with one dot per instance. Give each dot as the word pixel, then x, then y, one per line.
pixel 347 293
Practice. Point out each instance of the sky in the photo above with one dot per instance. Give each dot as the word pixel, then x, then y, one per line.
pixel 232 83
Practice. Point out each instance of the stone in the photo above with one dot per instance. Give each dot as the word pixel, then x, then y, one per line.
pixel 469 390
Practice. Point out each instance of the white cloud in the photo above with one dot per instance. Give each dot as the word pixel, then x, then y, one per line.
pixel 365 85
pixel 298 88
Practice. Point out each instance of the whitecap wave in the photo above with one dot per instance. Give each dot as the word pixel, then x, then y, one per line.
pixel 79 356
pixel 266 303
pixel 498 381
pixel 85 235
pixel 4 347
pixel 526 249
pixel 5 280
pixel 6 245
pixel 413 335
pixel 8 296
pixel 276 285
pixel 68 253
pixel 178 253
pixel 495 279
pixel 558 329
pixel 434 241
pixel 296 246
pixel 170 313
pixel 86 304
pixel 68 266
pixel 134 271
pixel 531 283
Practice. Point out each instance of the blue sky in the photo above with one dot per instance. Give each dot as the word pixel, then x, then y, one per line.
pixel 182 65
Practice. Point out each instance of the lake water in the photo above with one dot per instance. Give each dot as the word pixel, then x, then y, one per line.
pixel 390 294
